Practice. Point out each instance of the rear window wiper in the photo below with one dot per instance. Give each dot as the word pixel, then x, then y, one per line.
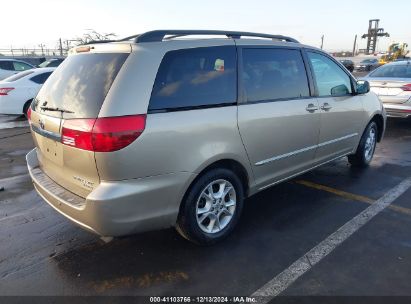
pixel 55 110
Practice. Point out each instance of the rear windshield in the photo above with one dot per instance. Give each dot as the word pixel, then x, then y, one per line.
pixel 80 84
pixel 369 61
pixel 18 76
pixel 394 71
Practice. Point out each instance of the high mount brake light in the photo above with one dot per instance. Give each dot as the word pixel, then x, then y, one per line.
pixel 29 114
pixel 105 134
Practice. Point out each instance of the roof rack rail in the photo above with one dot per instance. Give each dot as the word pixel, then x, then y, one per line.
pixel 159 35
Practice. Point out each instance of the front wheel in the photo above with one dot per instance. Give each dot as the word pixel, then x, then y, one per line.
pixel 366 148
pixel 211 208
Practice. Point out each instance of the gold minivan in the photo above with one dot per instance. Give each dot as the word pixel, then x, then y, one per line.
pixel 160 129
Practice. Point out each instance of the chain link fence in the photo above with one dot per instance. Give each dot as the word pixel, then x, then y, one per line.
pixel 38 52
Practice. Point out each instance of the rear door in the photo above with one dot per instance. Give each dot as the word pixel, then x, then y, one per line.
pixel 278 119
pixel 73 94
pixel 342 113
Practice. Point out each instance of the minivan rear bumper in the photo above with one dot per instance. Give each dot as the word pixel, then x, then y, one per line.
pixel 116 208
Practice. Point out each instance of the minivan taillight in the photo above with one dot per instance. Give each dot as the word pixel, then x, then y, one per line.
pixel 104 134
pixel 5 91
pixel 406 87
pixel 29 114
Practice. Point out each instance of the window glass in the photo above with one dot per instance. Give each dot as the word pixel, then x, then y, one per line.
pixel 40 78
pixel 55 63
pixel 51 63
pixel 21 66
pixel 330 78
pixel 395 71
pixel 81 84
pixel 270 74
pixel 195 77
pixel 6 65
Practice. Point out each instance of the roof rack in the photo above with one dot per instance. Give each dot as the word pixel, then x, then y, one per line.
pixel 159 35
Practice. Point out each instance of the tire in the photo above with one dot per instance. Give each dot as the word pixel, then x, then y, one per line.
pixel 26 107
pixel 195 223
pixel 366 147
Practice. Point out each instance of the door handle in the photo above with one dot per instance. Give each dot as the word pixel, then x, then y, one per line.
pixel 326 106
pixel 311 108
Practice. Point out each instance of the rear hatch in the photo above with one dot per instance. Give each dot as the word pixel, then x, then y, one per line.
pixel 72 98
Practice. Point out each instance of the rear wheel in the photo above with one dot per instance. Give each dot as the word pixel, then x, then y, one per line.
pixel 366 147
pixel 211 208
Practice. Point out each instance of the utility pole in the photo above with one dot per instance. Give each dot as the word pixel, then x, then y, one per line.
pixel 67 46
pixel 41 45
pixel 354 46
pixel 322 41
pixel 61 48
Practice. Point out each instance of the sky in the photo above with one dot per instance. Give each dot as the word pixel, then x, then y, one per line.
pixel 45 21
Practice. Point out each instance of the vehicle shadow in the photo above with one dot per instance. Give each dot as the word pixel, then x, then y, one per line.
pixel 12 121
pixel 275 230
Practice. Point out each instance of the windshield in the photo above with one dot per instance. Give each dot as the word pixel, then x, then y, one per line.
pixel 394 71
pixel 80 84
pixel 50 63
pixel 18 76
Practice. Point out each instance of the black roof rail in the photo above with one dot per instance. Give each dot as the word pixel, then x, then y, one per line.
pixel 159 35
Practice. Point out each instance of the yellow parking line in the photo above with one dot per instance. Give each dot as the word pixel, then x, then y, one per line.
pixel 351 196
pixel 336 191
pixel 400 209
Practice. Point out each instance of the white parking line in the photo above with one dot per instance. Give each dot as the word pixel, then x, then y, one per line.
pixel 279 283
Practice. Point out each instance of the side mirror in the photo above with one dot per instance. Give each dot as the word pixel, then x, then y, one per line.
pixel 363 87
pixel 340 90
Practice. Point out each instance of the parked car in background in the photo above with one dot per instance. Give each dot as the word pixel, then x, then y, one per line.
pixel 367 65
pixel 10 67
pixel 178 132
pixel 51 63
pixel 392 83
pixel 17 91
pixel 349 64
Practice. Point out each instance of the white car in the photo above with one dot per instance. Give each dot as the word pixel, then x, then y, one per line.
pixel 17 91
pixel 9 67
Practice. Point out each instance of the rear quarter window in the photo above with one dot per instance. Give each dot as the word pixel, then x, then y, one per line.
pixel 40 78
pixel 195 78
